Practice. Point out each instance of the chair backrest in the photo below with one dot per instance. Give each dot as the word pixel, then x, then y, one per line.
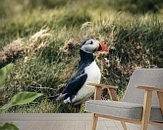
pixel 146 77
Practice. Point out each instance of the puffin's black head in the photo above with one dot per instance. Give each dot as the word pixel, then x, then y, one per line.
pixel 91 46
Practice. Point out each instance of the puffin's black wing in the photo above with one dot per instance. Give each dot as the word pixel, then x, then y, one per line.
pixel 74 84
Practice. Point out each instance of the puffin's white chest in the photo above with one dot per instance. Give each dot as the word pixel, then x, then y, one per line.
pixel 93 72
pixel 94 76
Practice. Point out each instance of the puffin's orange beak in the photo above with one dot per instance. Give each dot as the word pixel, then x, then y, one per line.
pixel 103 47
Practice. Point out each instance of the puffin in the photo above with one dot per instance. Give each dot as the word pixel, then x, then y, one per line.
pixel 76 90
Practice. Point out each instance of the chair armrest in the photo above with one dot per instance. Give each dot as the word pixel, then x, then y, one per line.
pixel 103 86
pixel 148 88
pixel 99 87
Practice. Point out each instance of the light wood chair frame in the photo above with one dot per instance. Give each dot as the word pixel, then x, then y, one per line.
pixel 146 106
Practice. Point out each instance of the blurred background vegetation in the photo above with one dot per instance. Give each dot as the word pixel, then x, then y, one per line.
pixel 41 38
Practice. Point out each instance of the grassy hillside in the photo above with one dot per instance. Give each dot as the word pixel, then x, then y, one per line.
pixel 42 40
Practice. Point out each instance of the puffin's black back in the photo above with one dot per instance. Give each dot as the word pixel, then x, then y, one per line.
pixel 78 80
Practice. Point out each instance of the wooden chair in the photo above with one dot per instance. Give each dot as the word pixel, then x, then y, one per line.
pixel 137 106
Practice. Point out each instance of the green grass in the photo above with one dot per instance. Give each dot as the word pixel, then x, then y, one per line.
pixel 137 40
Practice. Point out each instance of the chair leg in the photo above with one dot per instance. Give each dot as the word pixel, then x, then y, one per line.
pixel 94 123
pixel 146 110
pixel 124 125
pixel 144 126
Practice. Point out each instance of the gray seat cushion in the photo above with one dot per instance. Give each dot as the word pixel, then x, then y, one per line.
pixel 131 111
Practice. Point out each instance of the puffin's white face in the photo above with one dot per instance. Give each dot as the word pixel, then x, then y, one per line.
pixel 91 45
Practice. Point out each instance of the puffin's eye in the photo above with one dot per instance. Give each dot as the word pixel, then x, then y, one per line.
pixel 91 42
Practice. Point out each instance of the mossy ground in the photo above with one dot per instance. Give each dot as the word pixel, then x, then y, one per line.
pixel 136 40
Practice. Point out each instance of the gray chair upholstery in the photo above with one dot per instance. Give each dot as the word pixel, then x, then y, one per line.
pixel 131 106
pixel 131 111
